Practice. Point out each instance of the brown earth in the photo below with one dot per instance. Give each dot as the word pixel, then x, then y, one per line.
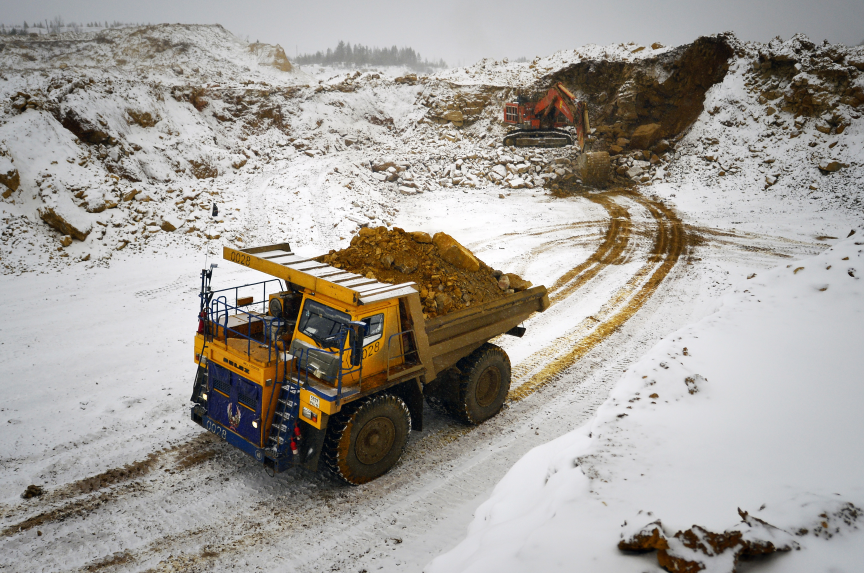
pixel 450 277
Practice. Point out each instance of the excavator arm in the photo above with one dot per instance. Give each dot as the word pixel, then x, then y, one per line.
pixel 558 97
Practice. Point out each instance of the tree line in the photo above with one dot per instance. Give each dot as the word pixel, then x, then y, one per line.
pixel 57 25
pixel 359 55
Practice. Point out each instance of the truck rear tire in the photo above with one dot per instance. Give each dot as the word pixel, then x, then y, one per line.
pixel 365 440
pixel 483 385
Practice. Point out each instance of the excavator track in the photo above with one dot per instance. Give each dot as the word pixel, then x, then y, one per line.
pixel 538 138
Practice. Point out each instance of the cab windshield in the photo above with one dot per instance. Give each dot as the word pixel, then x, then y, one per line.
pixel 320 322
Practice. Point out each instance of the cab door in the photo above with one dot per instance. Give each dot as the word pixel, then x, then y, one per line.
pixel 381 324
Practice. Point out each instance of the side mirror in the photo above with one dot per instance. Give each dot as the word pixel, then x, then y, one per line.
pixel 356 334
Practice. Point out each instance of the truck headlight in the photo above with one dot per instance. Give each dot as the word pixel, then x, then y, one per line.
pixel 204 396
pixel 255 424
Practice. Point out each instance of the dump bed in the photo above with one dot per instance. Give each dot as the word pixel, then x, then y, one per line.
pixel 455 335
pixel 447 338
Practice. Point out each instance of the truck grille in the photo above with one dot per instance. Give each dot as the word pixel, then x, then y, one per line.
pixel 247 400
pixel 223 386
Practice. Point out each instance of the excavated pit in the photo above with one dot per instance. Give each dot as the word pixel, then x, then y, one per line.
pixel 448 275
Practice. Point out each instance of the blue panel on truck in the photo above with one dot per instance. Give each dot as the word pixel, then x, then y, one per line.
pixel 234 402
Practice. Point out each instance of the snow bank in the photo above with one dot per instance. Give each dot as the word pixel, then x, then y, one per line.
pixel 755 407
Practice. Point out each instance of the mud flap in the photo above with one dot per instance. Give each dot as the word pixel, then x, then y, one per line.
pixel 411 393
pixel 313 442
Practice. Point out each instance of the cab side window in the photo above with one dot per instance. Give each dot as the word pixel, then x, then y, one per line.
pixel 374 328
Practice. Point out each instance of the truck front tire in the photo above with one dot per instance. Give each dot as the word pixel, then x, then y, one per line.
pixel 365 440
pixel 483 385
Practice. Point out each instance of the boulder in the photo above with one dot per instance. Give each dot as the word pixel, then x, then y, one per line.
pixel 504 282
pixel 517 283
pixel 383 166
pixel 421 237
pixel 170 223
pixel 455 116
pixel 454 253
pixel 662 147
pixel 830 166
pixel 68 221
pixel 405 264
pixel 645 136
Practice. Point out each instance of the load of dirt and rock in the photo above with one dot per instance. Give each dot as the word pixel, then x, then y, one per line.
pixel 449 276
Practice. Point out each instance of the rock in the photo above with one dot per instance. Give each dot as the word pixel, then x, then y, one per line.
pixel 622 142
pixel 444 301
pixel 823 128
pixel 504 282
pixel 645 136
pixel 500 171
pixel 516 183
pixel 637 169
pixel 66 240
pixel 387 261
pixel 500 195
pixel 32 491
pixel 421 237
pixel 454 253
pixel 770 111
pixel 130 195
pixel 170 223
pixel 516 282
pixel 615 149
pixel 239 163
pixel 830 166
pixel 656 46
pixel 455 116
pixel 383 166
pixel 407 190
pixel 405 264
pixel 662 147
pixel 770 180
pixel 67 221
pixel 654 159
pixel 8 175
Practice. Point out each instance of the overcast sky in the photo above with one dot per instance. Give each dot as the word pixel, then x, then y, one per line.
pixel 465 31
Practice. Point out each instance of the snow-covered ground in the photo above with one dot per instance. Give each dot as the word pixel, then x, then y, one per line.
pixel 96 339
pixel 756 406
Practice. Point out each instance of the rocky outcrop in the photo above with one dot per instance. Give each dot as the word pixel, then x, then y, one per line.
pixel 272 56
pixel 667 90
pixel 697 549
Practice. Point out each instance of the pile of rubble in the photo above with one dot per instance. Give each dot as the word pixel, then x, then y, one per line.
pixel 450 277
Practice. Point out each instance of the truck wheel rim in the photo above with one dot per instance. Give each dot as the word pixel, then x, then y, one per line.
pixel 375 440
pixel 488 386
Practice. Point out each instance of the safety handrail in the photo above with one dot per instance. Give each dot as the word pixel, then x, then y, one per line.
pixel 219 310
pixel 404 354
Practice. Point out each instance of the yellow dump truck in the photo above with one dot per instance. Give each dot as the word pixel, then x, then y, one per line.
pixel 319 367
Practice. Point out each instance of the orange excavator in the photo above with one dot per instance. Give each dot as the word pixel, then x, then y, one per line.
pixel 540 123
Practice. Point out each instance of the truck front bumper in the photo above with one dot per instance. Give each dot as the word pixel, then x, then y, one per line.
pixel 200 417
